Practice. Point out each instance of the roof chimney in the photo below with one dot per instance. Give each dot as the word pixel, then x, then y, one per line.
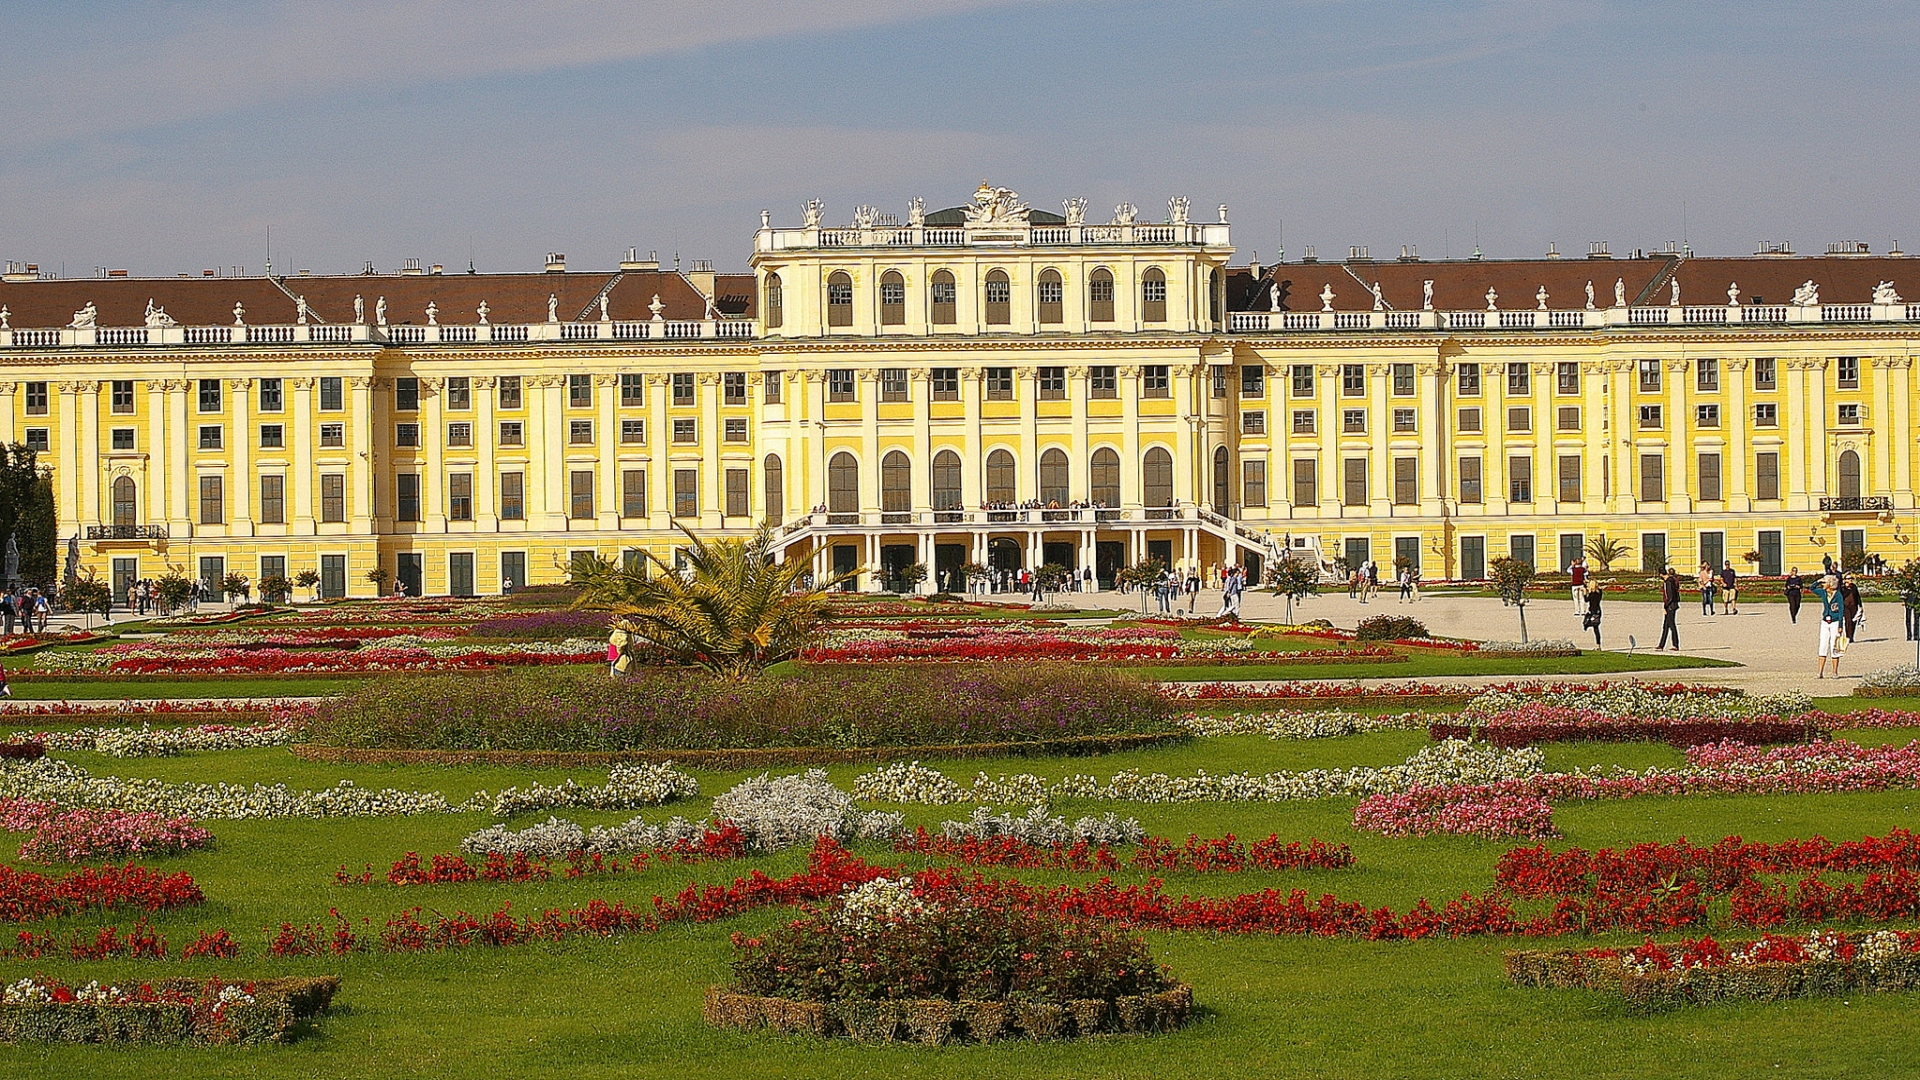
pixel 633 263
pixel 411 268
pixel 556 262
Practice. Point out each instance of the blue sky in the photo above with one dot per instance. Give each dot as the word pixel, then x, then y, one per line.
pixel 167 137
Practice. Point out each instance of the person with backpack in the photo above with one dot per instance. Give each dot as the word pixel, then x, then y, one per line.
pixel 1670 603
pixel 1591 620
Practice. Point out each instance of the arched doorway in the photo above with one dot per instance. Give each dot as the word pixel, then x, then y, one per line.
pixel 1004 553
pixel 1849 474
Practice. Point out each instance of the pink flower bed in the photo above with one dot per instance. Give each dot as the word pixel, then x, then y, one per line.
pixel 1318 691
pixel 80 834
pixel 1458 812
pixel 1536 723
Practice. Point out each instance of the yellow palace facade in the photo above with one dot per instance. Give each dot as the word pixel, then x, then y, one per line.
pixel 988 384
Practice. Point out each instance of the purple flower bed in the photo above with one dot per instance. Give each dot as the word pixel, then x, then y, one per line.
pixel 536 625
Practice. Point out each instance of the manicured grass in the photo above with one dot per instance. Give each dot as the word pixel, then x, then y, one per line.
pixel 139 688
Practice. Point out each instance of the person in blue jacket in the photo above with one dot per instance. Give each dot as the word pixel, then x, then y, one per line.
pixel 1833 617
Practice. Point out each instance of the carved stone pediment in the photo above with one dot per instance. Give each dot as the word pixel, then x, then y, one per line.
pixel 996 208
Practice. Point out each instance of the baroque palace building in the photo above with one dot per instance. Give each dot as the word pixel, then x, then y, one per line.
pixel 988 384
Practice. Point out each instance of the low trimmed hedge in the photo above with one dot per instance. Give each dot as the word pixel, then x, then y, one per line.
pixel 279 1007
pixel 937 1021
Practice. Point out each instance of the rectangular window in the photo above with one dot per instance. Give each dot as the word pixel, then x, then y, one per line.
pixel 579 433
pixel 1303 421
pixel 1766 414
pixel 1706 416
pixel 1053 384
pixel 1566 378
pixel 579 391
pixel 271 397
pixel 1520 479
pixel 1470 419
pixel 209 395
pixel 1521 548
pixel 770 386
pixel 682 383
pixel 1518 380
pixel 1467 377
pixel 1217 381
pixel 1847 372
pixel 406 394
pixel 633 391
pixel 272 437
pixel 1103 382
pixel 685 431
pixel 1306 482
pixel 1353 421
pixel 510 392
pixel 460 496
pixel 840 384
pixel 893 384
pixel 210 437
pixel 123 395
pixel 733 388
pixel 1253 381
pixel 1766 371
pixel 213 501
pixel 999 384
pixel 460 433
pixel 1653 478
pixel 333 436
pixel 735 429
pixel 580 494
pixel 512 433
pixel 36 399
pixel 1710 477
pixel 333 395
pixel 1848 415
pixel 1649 376
pixel 1713 549
pixel 633 493
pixel 1519 418
pixel 1650 416
pixel 1355 481
pixel 333 497
pixel 406 434
pixel 945 382
pixel 686 493
pixel 513 501
pixel 1569 478
pixel 1706 376
pixel 273 500
pixel 1766 476
pixel 1353 380
pixel 1403 380
pixel 459 393
pixel 272 566
pixel 1154 382
pixel 1253 483
pixel 1403 420
pixel 1568 418
pixel 1473 558
pixel 123 438
pixel 1470 480
pixel 37 439
pixel 737 493
pixel 1406 481
pixel 1653 552
pixel 1301 378
pixel 633 432
pixel 406 502
pixel 1253 422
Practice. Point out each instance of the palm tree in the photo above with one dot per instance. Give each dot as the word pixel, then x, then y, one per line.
pixel 732 610
pixel 1606 551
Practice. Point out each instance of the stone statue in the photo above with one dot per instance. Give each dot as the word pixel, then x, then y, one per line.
pixel 380 311
pixel 995 206
pixel 553 308
pixel 766 219
pixel 712 312
pixel 1673 297
pixel 1177 208
pixel 1589 295
pixel 1884 294
pixel 1493 299
pixel 604 317
pixel 1807 295
pixel 1379 301
pixel 300 310
pixel 810 213
pixel 916 212
pixel 1125 213
pixel 1619 292
pixel 1326 297
pixel 359 310
pixel 1076 211
pixel 863 217
pixel 1733 295
pixel 1223 213
pixel 86 316
pixel 433 313
pixel 1426 295
pixel 71 573
pixel 656 307
pixel 239 315
pixel 482 312
pixel 1273 297
pixel 157 316
pixel 1541 297
pixel 13 558
pixel 4 316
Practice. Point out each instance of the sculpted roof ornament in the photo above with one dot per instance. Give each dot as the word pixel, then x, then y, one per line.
pixel 995 206
pixel 86 316
pixel 1807 295
pixel 1885 293
pixel 1177 208
pixel 157 316
pixel 1075 211
pixel 810 213
pixel 1125 213
pixel 916 212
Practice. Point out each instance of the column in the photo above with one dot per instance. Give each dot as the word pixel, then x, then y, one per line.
pixel 486 502
pixel 920 391
pixel 1680 466
pixel 68 456
pixel 1546 467
pixel 1183 463
pixel 867 388
pixel 1130 492
pixel 659 445
pixel 1882 412
pixel 1332 478
pixel 433 439
pixel 360 467
pixel 178 523
pixel 1379 453
pixel 972 470
pixel 8 402
pixel 1026 391
pixel 817 433
pixel 1078 482
pixel 1814 433
pixel 303 521
pixel 547 458
pixel 90 453
pixel 1594 422
pixel 1734 466
pixel 606 443
pixel 713 489
pixel 1433 438
pixel 1899 369
pixel 1625 480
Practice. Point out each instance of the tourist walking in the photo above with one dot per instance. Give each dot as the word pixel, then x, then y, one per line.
pixel 1853 607
pixel 1591 620
pixel 1670 603
pixel 1406 584
pixel 617 658
pixel 1193 590
pixel 1578 573
pixel 1729 589
pixel 6 613
pixel 5 690
pixel 1833 616
pixel 1793 587
pixel 1706 581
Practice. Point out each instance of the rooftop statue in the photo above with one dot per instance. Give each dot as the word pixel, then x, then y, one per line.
pixel 1076 211
pixel 1807 295
pixel 1493 299
pixel 553 308
pixel 157 316
pixel 1273 298
pixel 916 212
pixel 863 217
pixel 1541 297
pixel 86 316
pixel 1426 295
pixel 1177 209
pixel 4 316
pixel 1589 295
pixel 810 213
pixel 482 312
pixel 656 307
pixel 359 310
pixel 604 317
pixel 1885 293
pixel 1379 301
pixel 300 310
pixel 380 311
pixel 1674 299
pixel 766 219
pixel 995 206
pixel 1733 295
pixel 1326 297
pixel 1125 213
pixel 1619 292
pixel 239 314
pixel 433 313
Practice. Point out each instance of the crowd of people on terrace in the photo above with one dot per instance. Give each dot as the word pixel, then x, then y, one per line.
pixel 25 608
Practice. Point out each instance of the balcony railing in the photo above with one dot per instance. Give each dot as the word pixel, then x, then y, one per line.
pixel 121 337
pixel 1025 516
pixel 1841 504
pixel 1210 234
pixel 1267 322
pixel 126 532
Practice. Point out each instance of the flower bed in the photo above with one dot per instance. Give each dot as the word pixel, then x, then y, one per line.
pixel 158 658
pixel 1722 868
pixel 28 897
pixel 145 741
pixel 1700 970
pixel 145 711
pixel 216 1011
pixel 1533 723
pixel 1301 725
pixel 78 835
pixel 1223 855
pixel 1308 694
pixel 1436 811
pixel 1672 701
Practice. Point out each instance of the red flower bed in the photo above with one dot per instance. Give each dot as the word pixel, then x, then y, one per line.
pixel 1539 723
pixel 1314 691
pixel 1224 855
pixel 1537 871
pixel 727 842
pixel 27 897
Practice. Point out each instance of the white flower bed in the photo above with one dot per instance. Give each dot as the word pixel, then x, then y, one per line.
pixel 145 741
pixel 627 786
pixel 909 782
pixel 1627 699
pixel 1039 829
pixel 1555 646
pixel 1304 724
pixel 1904 677
pixel 878 902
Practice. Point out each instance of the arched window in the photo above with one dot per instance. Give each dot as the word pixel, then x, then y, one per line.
pixel 1156 478
pixel 1100 296
pixel 1000 478
pixel 1051 296
pixel 1217 291
pixel 776 490
pixel 999 298
pixel 839 299
pixel 776 306
pixel 124 510
pixel 946 481
pixel 1222 484
pixel 893 299
pixel 896 483
pixel 1849 474
pixel 1053 477
pixel 1104 478
pixel 944 298
pixel 843 484
pixel 1153 295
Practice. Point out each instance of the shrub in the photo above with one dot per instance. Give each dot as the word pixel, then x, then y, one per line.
pixel 544 625
pixel 1390 628
pixel 867 706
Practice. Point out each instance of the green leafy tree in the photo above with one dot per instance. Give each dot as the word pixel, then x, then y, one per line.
pixel 275 588
pixel 1295 579
pixel 1143 576
pixel 309 579
pixel 968 572
pixel 1606 551
pixel 27 512
pixel 237 584
pixel 174 588
pixel 382 579
pixel 1511 577
pixel 912 576
pixel 732 610
pixel 1052 577
pixel 88 595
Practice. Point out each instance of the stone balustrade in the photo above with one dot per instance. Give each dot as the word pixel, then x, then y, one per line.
pixel 1273 322
pixel 913 236
pixel 122 337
